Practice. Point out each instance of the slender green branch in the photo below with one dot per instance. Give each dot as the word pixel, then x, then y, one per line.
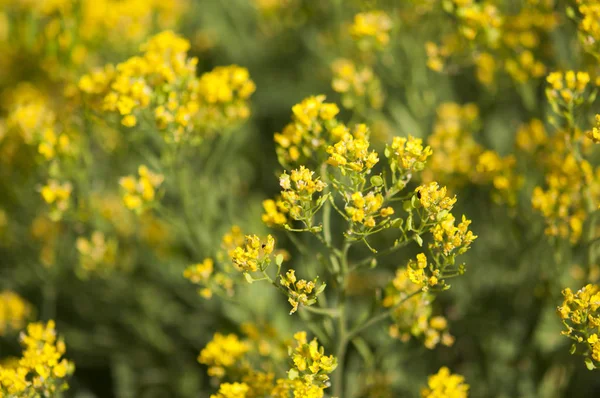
pixel 378 318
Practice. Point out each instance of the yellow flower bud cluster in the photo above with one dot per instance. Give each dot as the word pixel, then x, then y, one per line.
pixel 371 29
pixel 140 193
pixel 561 201
pixel 566 88
pixel 217 276
pixel 96 255
pixel 276 211
pixel 298 189
pixel 254 254
pixel 311 365
pixel 29 113
pixel 359 86
pixel 223 353
pixel 589 25
pixel 224 93
pixel 300 292
pixel 286 388
pixel 501 172
pixel 407 155
pixel 57 195
pixel 14 312
pixel 306 136
pixel 594 133
pixel 458 159
pixel 229 356
pixel 365 209
pixel 434 200
pixel 163 80
pixel 351 153
pixel 41 368
pixel 413 316
pixel 455 151
pixel 531 136
pixel 232 390
pixel 493 37
pixel 445 384
pixel 450 239
pixel 200 274
pixel 580 315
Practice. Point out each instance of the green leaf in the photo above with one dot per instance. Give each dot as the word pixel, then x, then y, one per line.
pixel 418 239
pixel 590 364
pixel 279 259
pixel 293 374
pixel 248 277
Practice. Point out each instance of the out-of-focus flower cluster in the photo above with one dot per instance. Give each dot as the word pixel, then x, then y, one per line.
pixel 458 158
pixel 445 384
pixel 161 85
pixel 254 366
pixel 41 370
pixel 505 40
pixel 580 316
pixel 14 312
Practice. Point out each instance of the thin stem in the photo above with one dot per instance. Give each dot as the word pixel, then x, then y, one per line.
pixel 331 312
pixel 358 329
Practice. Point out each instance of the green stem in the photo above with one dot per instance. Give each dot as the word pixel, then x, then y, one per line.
pixel 378 318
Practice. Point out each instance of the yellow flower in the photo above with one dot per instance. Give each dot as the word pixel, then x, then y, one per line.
pixel 447 385
pixel 222 353
pixel 374 25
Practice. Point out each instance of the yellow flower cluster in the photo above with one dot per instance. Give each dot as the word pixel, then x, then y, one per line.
pixel 407 155
pixel 494 37
pixel 311 365
pixel 501 172
pixel 286 388
pixel 254 254
pixel 217 276
pixel 351 153
pixel 225 92
pixel 562 202
pixel 58 196
pixel 41 370
pixel 371 29
pixel 275 212
pixel 116 20
pixel 589 25
pixel 444 384
pixel 412 315
pixel 594 133
pixel 140 193
pixel 457 158
pixel 566 88
pixel 531 136
pixel 163 80
pixel 450 239
pixel 222 353
pixel 200 274
pixel 300 292
pixel 14 312
pixel 232 390
pixel 97 254
pixel 359 86
pixel 416 272
pixel 434 200
pixel 298 190
pixel 29 113
pixel 364 209
pixel 580 315
pixel 302 140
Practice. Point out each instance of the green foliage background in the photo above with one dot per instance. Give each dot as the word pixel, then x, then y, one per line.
pixel 138 333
